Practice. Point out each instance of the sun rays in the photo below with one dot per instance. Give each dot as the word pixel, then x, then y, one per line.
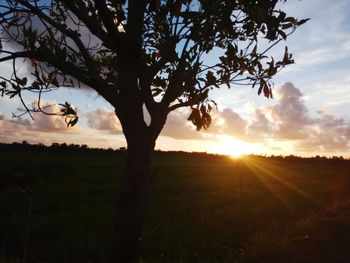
pixel 274 178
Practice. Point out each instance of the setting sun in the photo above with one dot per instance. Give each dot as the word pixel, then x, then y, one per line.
pixel 235 154
pixel 235 148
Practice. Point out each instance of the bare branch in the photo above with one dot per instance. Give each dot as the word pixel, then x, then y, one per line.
pixel 179 105
pixel 14 55
pixel 19 94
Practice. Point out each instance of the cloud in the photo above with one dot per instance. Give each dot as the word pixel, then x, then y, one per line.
pixel 260 127
pixel 229 123
pixel 287 119
pixel 290 114
pixel 10 129
pixel 328 133
pixel 41 123
pixel 290 120
pixel 177 127
pixel 42 127
pixel 49 123
pixel 225 122
pixel 104 120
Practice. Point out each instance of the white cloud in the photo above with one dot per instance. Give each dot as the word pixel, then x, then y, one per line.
pixel 37 130
pixel 104 120
pixel 230 123
pixel 290 120
pixel 178 127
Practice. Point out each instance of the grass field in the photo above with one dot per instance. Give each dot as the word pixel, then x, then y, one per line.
pixel 203 209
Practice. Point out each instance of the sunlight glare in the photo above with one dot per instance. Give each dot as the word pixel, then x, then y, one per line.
pixel 235 148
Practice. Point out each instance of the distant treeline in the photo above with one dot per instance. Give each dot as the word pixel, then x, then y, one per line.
pixel 85 149
pixel 77 148
pixel 294 158
pixel 54 147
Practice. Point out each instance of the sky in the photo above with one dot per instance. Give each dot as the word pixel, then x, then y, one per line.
pixel 309 114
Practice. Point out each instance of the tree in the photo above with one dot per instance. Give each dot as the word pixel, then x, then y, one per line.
pixel 141 55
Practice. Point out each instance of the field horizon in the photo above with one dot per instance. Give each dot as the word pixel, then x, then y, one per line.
pixel 24 145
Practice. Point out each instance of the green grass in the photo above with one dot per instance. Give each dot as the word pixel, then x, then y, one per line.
pixel 202 209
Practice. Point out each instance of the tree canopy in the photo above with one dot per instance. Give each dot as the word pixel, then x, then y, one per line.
pixel 173 52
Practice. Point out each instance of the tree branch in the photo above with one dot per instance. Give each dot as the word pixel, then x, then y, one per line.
pixel 179 105
pixel 82 14
pixel 14 55
pixel 96 82
pixel 69 33
pixel 107 17
pixel 135 22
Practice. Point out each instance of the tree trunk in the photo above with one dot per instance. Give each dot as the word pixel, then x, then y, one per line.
pixel 133 202
pixel 141 138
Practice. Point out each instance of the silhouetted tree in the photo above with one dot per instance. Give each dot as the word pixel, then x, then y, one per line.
pixel 154 55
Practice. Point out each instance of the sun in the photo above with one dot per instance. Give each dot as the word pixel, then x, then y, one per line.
pixel 235 148
pixel 235 154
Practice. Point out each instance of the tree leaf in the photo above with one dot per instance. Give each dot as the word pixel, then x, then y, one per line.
pixel 266 91
pixel 302 21
pixel 211 79
pixel 156 92
pixel 73 121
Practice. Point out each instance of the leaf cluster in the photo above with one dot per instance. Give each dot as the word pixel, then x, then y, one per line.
pixel 69 113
